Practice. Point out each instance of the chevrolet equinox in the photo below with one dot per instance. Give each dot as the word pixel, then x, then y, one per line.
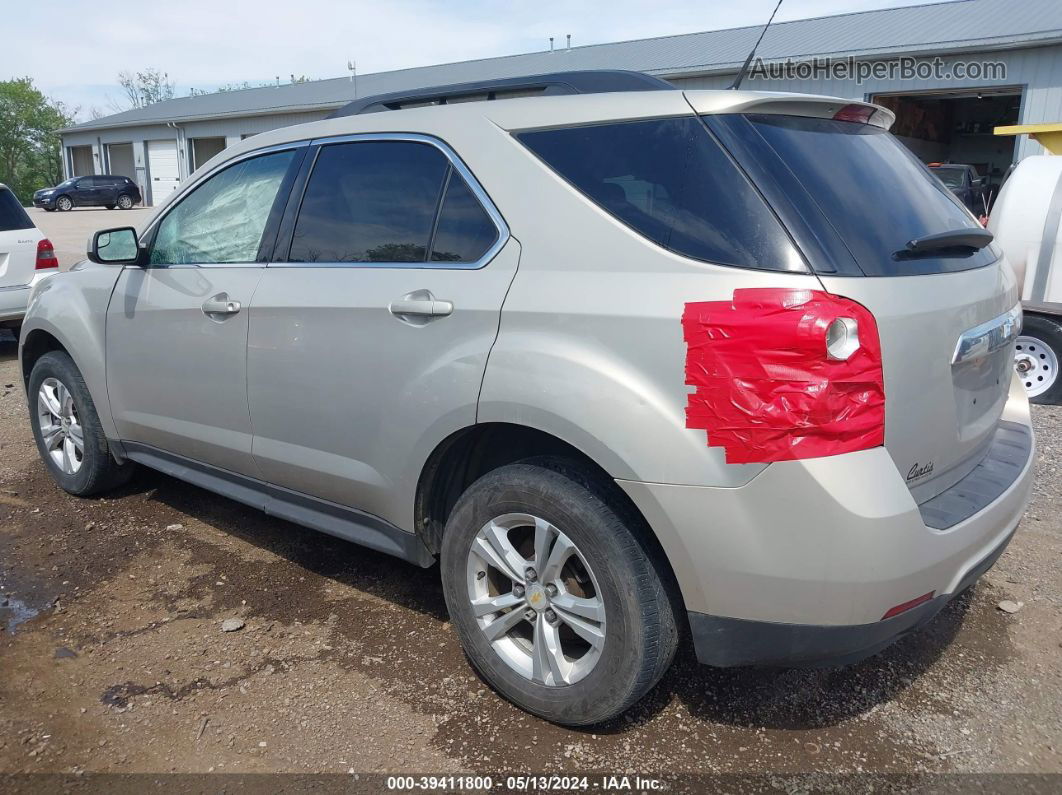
pixel 632 366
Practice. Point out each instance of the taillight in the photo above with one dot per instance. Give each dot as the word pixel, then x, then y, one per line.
pixel 784 374
pixel 45 255
pixel 861 114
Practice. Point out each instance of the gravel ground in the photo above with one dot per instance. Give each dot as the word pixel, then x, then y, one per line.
pixel 114 658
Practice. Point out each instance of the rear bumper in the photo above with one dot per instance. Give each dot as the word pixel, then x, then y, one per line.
pixel 728 642
pixel 802 563
pixel 13 302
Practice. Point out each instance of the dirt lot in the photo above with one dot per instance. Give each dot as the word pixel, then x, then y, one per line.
pixel 113 657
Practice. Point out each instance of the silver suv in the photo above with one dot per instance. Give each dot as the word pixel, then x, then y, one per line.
pixel 631 366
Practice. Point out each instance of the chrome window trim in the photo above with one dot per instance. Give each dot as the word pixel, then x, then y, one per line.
pixel 458 165
pixel 189 188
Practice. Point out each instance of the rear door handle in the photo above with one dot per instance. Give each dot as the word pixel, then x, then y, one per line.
pixel 219 305
pixel 421 307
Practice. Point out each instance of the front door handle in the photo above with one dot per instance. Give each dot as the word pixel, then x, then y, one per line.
pixel 421 307
pixel 220 305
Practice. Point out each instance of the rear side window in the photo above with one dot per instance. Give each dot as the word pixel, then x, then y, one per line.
pixel 872 190
pixel 670 181
pixel 388 201
pixel 12 216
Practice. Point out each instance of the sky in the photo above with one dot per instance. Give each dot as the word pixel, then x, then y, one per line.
pixel 74 49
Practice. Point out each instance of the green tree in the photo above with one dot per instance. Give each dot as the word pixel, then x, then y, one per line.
pixel 30 147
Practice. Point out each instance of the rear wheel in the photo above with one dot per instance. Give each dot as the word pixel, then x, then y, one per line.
pixel 1036 358
pixel 125 202
pixel 67 429
pixel 64 204
pixel 555 593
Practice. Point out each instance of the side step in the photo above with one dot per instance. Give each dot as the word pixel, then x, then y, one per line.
pixel 349 524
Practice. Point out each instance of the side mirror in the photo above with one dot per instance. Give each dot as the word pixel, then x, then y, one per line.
pixel 115 247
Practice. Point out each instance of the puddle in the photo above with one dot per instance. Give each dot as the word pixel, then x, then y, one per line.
pixel 13 611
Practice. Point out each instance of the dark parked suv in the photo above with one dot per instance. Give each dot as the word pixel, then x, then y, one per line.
pixel 100 190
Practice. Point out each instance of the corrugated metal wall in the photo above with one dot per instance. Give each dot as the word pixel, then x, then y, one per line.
pixel 1038 71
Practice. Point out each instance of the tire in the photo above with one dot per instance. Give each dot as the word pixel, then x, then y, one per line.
pixel 64 204
pixel 49 209
pixel 97 471
pixel 613 566
pixel 1037 357
pixel 125 202
pixel 109 206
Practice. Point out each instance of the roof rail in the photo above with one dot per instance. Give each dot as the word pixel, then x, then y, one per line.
pixel 597 81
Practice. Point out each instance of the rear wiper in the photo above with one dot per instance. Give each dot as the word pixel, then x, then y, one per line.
pixel 957 241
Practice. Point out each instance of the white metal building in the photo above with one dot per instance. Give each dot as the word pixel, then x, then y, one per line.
pixel 943 116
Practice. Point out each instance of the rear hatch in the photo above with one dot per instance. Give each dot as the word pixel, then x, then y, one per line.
pixel 854 197
pixel 18 242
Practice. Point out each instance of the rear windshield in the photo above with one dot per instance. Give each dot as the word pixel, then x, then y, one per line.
pixel 873 191
pixel 12 216
pixel 670 181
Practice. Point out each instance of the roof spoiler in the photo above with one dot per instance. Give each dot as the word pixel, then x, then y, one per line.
pixel 600 81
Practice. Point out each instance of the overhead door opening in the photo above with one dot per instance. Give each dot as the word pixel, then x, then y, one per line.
pixel 956 127
pixel 205 148
pixel 81 161
pixel 120 161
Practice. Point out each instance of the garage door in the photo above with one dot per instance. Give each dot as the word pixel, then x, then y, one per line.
pixel 163 167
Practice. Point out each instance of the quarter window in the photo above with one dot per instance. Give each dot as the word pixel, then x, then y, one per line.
pixel 222 220
pixel 388 201
pixel 671 182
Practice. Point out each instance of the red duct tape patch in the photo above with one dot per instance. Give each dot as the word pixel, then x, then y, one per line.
pixel 766 389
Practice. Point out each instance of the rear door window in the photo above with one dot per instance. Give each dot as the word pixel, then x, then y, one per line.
pixel 370 201
pixel 464 231
pixel 872 190
pixel 670 181
pixel 12 216
pixel 388 202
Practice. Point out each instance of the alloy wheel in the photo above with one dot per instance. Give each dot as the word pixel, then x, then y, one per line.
pixel 64 203
pixel 1036 365
pixel 536 599
pixel 60 427
pixel 124 202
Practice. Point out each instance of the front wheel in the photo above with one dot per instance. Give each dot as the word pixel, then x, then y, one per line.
pixel 558 597
pixel 64 204
pixel 1036 358
pixel 67 429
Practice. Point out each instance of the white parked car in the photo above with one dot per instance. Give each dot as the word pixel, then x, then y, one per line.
pixel 25 257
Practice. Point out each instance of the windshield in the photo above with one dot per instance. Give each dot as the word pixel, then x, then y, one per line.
pixel 69 183
pixel 873 192
pixel 952 177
